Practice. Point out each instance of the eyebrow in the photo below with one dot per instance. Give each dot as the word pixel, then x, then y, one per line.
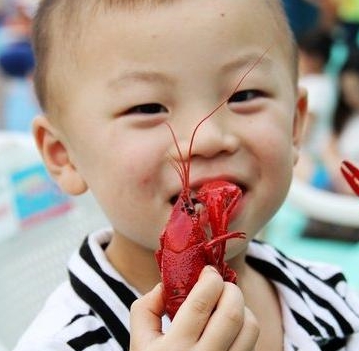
pixel 141 76
pixel 249 61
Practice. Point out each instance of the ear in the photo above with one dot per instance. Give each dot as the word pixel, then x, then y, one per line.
pixel 299 123
pixel 56 157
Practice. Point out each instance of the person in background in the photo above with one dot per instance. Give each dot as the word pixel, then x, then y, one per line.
pixel 344 141
pixel 341 142
pixel 16 57
pixel 314 53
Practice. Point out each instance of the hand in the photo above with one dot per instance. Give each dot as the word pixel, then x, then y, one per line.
pixel 212 318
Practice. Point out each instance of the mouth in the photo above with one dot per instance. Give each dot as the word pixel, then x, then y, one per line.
pixel 242 187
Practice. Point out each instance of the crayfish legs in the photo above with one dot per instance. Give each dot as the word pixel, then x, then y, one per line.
pixel 220 199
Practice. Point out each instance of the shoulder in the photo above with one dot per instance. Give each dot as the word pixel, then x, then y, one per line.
pixel 64 305
pixel 315 295
pixel 67 318
pixel 61 323
pixel 295 272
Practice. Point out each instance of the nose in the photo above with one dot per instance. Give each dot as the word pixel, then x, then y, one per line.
pixel 212 137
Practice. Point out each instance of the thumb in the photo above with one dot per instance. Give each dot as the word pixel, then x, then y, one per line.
pixel 146 318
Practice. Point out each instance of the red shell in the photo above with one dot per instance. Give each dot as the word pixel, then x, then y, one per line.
pixel 185 249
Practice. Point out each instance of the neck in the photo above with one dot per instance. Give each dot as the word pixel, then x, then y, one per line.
pixel 134 262
pixel 262 299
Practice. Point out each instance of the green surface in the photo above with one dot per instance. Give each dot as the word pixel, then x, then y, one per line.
pixel 284 232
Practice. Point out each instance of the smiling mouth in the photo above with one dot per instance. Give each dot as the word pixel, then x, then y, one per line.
pixel 195 201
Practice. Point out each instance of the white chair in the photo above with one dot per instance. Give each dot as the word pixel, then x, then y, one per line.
pixel 324 205
pixel 304 202
pixel 33 260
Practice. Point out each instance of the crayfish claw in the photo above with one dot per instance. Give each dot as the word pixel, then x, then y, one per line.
pixel 351 174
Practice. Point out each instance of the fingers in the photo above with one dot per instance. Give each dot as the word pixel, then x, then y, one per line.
pixel 232 326
pixel 226 321
pixel 212 318
pixel 193 315
pixel 145 321
pixel 247 338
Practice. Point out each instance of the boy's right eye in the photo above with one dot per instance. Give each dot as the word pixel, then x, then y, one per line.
pixel 245 96
pixel 150 108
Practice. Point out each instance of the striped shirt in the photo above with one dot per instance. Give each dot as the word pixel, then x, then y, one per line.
pixel 91 311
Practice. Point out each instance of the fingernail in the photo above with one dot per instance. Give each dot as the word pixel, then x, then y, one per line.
pixel 210 269
pixel 157 288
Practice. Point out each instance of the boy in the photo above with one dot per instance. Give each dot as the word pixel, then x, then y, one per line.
pixel 110 74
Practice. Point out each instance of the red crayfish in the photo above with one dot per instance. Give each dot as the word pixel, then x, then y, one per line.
pixel 351 174
pixel 185 247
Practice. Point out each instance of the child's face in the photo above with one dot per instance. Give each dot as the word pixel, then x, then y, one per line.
pixel 175 64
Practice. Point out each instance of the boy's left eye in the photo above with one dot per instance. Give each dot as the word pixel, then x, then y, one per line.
pixel 245 95
pixel 150 108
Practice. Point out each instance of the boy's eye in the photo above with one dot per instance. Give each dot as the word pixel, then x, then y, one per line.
pixel 245 95
pixel 150 108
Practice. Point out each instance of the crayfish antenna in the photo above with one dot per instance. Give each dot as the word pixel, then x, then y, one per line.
pixel 251 67
pixel 180 166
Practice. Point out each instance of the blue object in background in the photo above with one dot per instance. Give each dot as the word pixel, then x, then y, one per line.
pixel 17 59
pixel 36 196
pixel 321 178
pixel 20 106
pixel 302 15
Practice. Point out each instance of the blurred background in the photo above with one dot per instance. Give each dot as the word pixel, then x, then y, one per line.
pixel 40 226
pixel 319 221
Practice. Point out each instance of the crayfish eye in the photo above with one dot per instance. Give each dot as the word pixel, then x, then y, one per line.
pixel 188 208
pixel 191 211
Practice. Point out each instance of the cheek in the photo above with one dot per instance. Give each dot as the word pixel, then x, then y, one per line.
pixel 275 146
pixel 144 174
pixel 142 162
pixel 146 178
pixel 274 155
